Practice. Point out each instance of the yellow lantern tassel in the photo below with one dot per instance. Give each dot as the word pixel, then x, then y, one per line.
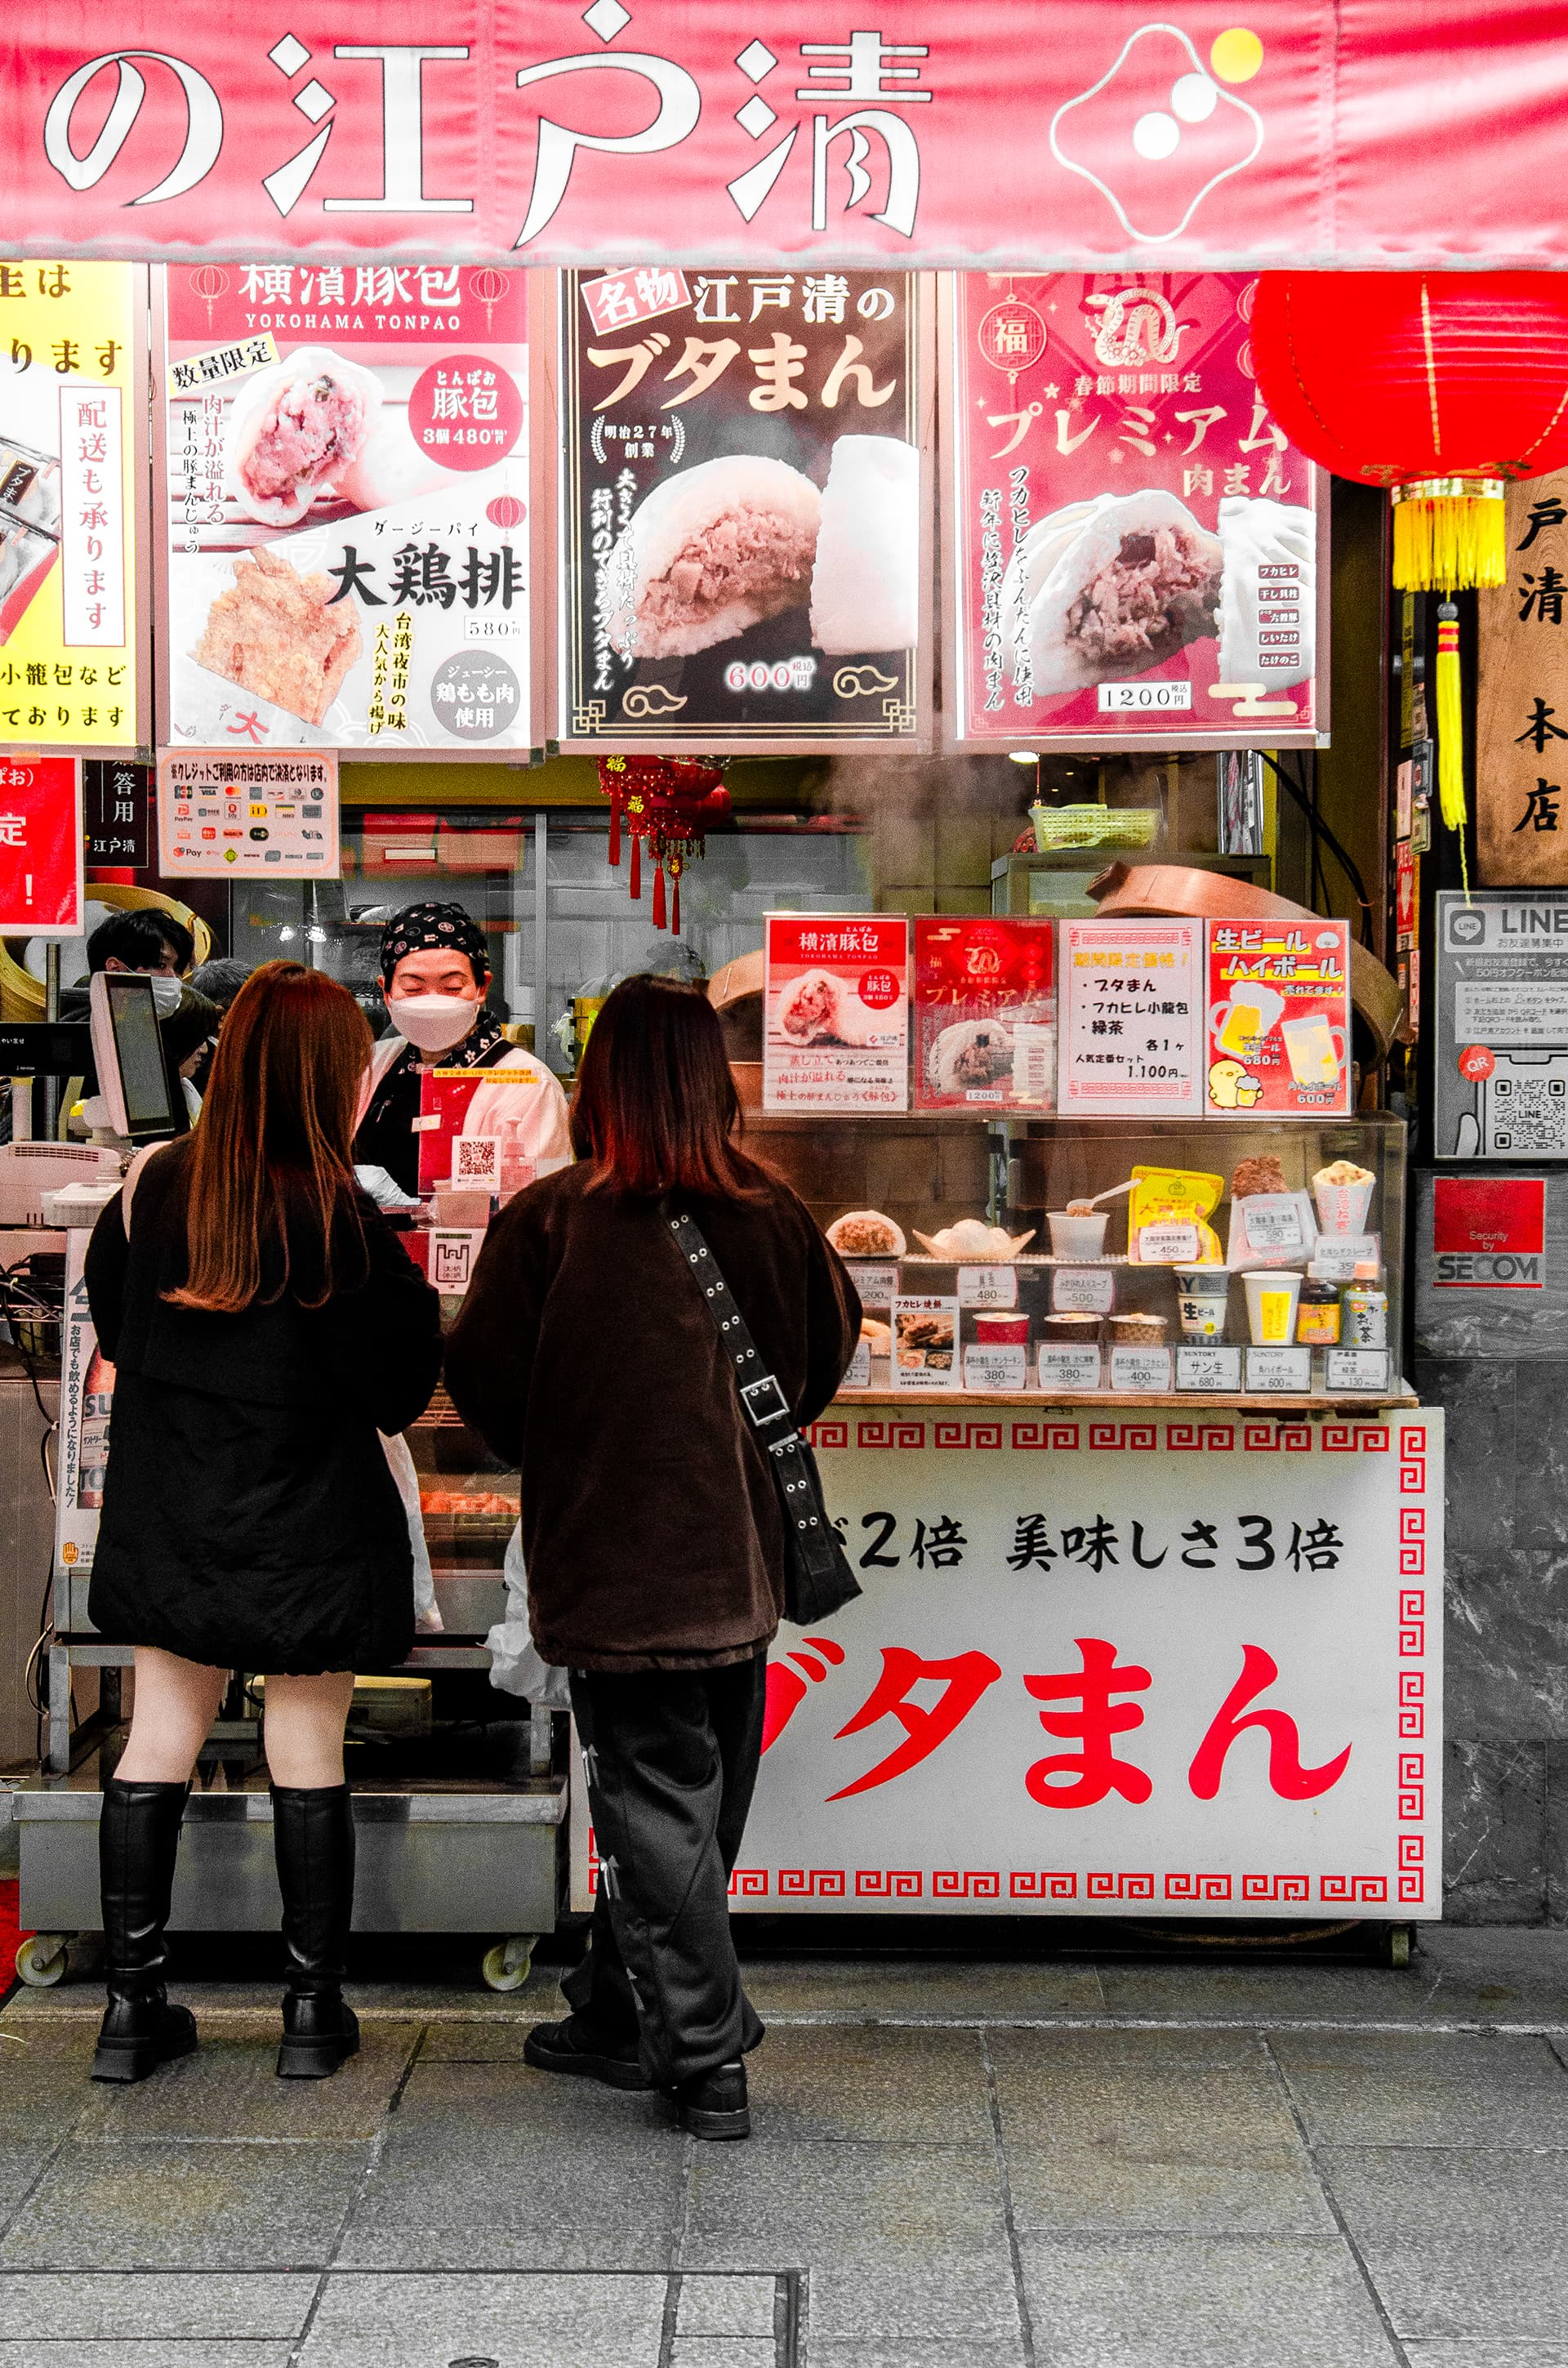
pixel 1451 732
pixel 1449 533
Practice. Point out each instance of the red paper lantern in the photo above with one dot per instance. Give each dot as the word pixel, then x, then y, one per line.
pixel 666 804
pixel 1440 386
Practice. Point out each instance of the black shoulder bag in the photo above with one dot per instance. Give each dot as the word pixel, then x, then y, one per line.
pixel 818 1580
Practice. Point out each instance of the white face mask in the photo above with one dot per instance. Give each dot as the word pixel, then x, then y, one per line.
pixel 433 1022
pixel 165 994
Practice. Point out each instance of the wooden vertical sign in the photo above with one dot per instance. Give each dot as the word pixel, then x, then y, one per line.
pixel 1521 732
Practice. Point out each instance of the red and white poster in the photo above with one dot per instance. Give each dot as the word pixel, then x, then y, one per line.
pixel 1131 1024
pixel 835 1034
pixel 1110 1667
pixel 1277 1030
pixel 984 1014
pixel 41 833
pixel 1137 542
pixel 345 473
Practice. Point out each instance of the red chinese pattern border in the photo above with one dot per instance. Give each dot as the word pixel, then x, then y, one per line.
pixel 1110 1435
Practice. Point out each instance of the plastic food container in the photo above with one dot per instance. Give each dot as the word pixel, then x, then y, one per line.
pixel 994 1331
pixel 1137 1331
pixel 1077 1237
pixel 1272 1297
pixel 1071 1331
pixel 1203 1296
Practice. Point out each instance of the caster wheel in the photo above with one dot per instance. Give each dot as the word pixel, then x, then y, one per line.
pixel 507 1965
pixel 1400 1938
pixel 41 1960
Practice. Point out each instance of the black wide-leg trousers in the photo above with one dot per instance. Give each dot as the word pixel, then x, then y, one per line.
pixel 671 1757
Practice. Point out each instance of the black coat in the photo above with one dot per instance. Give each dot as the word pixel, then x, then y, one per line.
pixel 585 1354
pixel 249 1519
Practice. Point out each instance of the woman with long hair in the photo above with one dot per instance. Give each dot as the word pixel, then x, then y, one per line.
pixel 264 1324
pixel 652 1532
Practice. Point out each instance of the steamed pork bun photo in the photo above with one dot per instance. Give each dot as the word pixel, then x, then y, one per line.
pixel 730 542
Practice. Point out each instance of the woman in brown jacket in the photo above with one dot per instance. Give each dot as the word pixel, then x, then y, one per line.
pixel 584 1353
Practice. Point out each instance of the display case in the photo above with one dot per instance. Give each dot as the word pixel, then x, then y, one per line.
pixel 1287 1292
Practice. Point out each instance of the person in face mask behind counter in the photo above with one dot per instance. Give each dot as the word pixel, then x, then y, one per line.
pixel 435 972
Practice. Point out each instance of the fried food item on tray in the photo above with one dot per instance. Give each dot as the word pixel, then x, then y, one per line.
pixel 276 632
pixel 1254 1176
pixel 866 1232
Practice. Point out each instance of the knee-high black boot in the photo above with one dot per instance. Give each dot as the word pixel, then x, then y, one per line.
pixel 313 1830
pixel 138 1842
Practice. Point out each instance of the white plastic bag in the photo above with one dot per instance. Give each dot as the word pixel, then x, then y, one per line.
pixel 516 1664
pixel 400 1461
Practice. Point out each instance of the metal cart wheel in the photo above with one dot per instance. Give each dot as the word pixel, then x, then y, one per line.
pixel 507 1965
pixel 41 1960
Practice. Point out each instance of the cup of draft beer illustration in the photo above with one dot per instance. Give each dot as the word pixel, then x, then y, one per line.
pixel 1315 1049
pixel 1239 1026
pixel 1077 1236
pixel 1202 1294
pixel 1273 1294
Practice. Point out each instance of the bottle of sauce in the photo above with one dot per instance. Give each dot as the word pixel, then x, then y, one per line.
pixel 1318 1313
pixel 1364 1309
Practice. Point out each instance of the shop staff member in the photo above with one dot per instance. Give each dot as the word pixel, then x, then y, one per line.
pixel 434 971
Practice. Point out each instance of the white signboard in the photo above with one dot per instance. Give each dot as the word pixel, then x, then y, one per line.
pixel 220 814
pixel 1130 1027
pixel 1142 1665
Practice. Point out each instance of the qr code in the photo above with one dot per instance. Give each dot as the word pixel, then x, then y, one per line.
pixel 476 1159
pixel 1530 1114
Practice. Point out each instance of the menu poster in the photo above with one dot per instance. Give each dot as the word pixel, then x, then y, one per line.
pixel 345 475
pixel 741 513
pixel 220 814
pixel 1130 1027
pixel 1137 541
pixel 1278 1030
pixel 1501 1061
pixel 835 1035
pixel 40 847
pixel 72 664
pixel 984 1014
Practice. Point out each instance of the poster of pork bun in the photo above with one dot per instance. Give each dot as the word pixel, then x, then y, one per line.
pixel 743 509
pixel 346 471
pixel 1136 547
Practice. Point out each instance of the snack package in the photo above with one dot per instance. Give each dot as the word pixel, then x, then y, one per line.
pixel 1272 1229
pixel 1167 1217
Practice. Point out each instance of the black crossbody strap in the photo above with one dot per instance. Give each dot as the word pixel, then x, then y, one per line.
pixel 761 1394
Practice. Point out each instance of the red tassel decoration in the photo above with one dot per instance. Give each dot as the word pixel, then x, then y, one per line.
pixel 658 895
pixel 675 906
pixel 636 870
pixel 615 830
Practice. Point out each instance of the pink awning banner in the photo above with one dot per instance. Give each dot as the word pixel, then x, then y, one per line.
pixel 985 135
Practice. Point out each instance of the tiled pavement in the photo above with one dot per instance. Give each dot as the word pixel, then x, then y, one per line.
pixel 1058 2165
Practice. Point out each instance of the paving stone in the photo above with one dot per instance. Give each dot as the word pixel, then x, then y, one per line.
pixel 172 2205
pixel 229 2085
pixel 519 2176
pixel 1125 2187
pixel 898 2243
pixel 723 2352
pixel 917 1988
pixel 421 2321
pixel 1020 2057
pixel 20 2164
pixel 1463 2242
pixel 200 2352
pixel 1469 2351
pixel 863 2352
pixel 1158 2301
pixel 1425 2089
pixel 108 2305
pixel 716 2306
pixel 1188 2113
pixel 44 2087
pixel 808 2085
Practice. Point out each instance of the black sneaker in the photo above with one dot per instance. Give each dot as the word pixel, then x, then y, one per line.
pixel 713 2104
pixel 559 2047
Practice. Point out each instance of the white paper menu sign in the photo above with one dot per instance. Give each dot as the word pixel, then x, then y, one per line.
pixel 1129 1028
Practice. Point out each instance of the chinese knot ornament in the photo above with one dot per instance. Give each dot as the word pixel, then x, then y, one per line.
pixel 664 804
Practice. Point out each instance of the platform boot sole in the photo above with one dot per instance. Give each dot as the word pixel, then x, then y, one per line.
pixel 126 2060
pixel 318 2056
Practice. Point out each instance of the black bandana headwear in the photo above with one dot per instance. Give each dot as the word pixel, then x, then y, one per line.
pixel 419 926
